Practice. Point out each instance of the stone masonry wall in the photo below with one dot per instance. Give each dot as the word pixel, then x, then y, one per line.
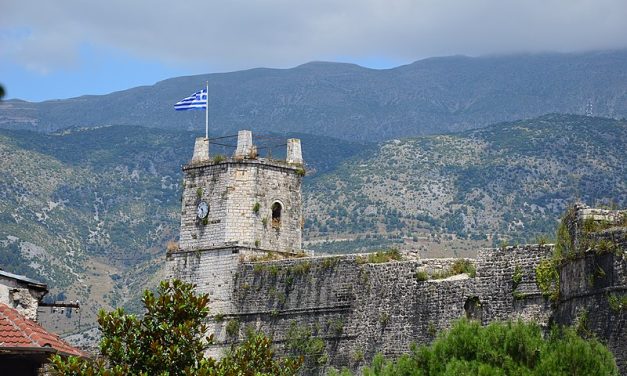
pixel 358 308
pixel 233 189
pixel 212 271
pixel 501 298
pixel 17 295
pixel 587 284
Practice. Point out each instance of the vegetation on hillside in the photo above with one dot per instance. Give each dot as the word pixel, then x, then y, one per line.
pixel 509 181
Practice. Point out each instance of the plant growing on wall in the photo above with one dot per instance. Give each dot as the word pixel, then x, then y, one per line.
pixel 616 303
pixel 300 341
pixel 219 158
pixel 517 276
pixel 548 279
pixel 421 275
pixel 459 267
pixel 256 208
pixel 232 328
pixel 380 257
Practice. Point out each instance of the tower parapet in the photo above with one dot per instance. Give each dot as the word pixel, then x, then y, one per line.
pixel 201 150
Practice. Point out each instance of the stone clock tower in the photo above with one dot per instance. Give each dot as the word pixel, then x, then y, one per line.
pixel 233 208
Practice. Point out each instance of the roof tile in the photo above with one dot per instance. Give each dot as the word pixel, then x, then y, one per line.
pixel 18 331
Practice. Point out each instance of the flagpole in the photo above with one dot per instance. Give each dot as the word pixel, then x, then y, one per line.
pixel 207 115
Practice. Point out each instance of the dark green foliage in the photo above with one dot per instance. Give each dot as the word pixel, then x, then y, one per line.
pixel 169 339
pixel 511 348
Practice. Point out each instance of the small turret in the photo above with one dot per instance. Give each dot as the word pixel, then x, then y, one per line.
pixel 294 153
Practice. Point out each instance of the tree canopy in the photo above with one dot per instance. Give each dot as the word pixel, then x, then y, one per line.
pixel 170 339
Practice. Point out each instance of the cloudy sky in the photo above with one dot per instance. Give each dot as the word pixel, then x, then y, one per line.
pixel 65 48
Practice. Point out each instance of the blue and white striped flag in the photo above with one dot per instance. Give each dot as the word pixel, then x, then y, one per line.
pixel 196 101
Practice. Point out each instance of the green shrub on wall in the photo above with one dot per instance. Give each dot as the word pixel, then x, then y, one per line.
pixel 517 276
pixel 300 341
pixel 548 279
pixel 232 328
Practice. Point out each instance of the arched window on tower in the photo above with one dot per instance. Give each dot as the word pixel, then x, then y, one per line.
pixel 276 215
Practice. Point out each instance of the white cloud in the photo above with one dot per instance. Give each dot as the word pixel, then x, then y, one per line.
pixel 236 34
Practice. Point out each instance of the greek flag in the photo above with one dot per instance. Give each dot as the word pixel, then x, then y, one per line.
pixel 196 101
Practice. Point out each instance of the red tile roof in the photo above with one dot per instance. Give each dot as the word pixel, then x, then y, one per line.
pixel 17 332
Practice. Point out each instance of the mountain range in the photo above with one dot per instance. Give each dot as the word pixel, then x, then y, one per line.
pixel 346 101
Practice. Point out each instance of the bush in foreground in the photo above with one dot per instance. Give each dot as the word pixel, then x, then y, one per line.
pixel 502 348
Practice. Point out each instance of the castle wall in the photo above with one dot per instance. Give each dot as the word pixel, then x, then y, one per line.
pixel 357 308
pixel 212 271
pixel 501 298
pixel 588 283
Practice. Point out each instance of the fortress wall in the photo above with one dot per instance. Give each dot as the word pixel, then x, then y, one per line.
pixel 359 309
pixel 500 297
pixel 212 271
pixel 587 283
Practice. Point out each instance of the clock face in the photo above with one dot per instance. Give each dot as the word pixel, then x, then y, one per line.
pixel 202 210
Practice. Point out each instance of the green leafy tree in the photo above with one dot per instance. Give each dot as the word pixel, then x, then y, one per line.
pixel 255 357
pixel 501 348
pixel 170 339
